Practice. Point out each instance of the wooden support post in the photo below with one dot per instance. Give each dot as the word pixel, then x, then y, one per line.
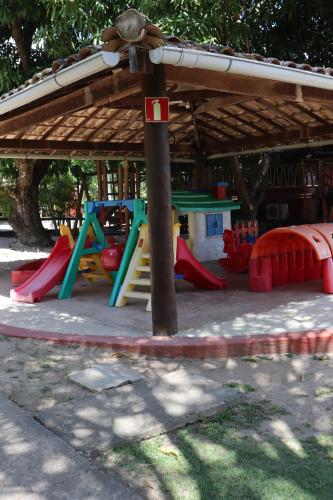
pixel 137 182
pixel 99 178
pixel 198 174
pixel 127 196
pixel 104 182
pixel 126 179
pixel 157 154
pixel 132 181
pixel 120 183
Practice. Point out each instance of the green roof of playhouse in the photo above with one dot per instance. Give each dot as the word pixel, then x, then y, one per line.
pixel 189 201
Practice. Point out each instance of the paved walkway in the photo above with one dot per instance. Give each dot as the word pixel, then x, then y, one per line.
pixel 36 465
pixel 137 411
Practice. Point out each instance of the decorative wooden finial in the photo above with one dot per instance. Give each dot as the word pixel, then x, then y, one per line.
pixel 132 27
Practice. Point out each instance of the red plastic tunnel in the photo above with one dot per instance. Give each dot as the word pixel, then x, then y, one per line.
pixel 292 255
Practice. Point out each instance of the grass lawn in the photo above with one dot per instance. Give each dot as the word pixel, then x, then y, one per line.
pixel 215 459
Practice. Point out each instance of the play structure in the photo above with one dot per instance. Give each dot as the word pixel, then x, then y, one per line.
pixel 95 257
pixel 293 255
pixel 238 244
pixel 85 256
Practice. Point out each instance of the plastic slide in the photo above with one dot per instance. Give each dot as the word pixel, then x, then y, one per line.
pixel 47 276
pixel 24 272
pixel 193 271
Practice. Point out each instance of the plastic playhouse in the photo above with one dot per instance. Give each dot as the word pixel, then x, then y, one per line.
pixel 293 255
pixel 207 218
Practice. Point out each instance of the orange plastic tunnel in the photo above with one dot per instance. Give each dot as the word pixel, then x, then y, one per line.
pixel 293 255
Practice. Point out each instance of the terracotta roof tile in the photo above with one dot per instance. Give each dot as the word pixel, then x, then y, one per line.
pixel 172 40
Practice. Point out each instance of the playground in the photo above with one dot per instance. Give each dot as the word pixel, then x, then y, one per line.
pixel 166 251
pixel 233 312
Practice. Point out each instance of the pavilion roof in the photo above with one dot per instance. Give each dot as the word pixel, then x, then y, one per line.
pixel 211 112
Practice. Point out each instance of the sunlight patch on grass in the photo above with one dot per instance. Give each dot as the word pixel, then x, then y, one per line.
pixel 214 459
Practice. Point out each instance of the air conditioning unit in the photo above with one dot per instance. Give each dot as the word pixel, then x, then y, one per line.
pixel 284 211
pixel 272 211
pixel 277 211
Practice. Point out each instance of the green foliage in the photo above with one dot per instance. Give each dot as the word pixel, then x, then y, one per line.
pixel 287 29
pixel 6 203
pixel 56 194
pixel 58 190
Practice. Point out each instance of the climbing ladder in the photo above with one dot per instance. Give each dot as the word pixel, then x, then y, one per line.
pixel 138 274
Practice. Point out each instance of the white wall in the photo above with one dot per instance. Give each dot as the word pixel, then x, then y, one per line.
pixel 205 247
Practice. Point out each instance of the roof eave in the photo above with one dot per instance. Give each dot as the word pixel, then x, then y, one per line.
pixel 79 71
pixel 193 58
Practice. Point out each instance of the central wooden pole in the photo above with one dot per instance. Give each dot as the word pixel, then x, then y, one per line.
pixel 162 275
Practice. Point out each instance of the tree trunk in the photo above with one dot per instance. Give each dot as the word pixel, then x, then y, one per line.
pixel 241 187
pixel 25 220
pixel 250 201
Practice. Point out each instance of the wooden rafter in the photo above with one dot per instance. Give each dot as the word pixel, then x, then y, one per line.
pixel 259 114
pixel 292 119
pixel 215 129
pixel 309 112
pixel 208 119
pixel 53 127
pixel 240 118
pixel 81 124
pixel 105 90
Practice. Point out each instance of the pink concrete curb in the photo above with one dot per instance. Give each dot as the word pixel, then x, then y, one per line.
pixel 307 342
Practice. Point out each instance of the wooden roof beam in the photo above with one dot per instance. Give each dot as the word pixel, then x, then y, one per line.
pixel 220 102
pixel 287 137
pixel 40 145
pixel 247 86
pixel 181 95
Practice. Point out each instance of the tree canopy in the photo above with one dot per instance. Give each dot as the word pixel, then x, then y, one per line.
pixel 35 32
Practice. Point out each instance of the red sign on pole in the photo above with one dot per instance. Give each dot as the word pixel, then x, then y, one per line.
pixel 157 109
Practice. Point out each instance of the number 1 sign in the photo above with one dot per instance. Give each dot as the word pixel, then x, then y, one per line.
pixel 157 109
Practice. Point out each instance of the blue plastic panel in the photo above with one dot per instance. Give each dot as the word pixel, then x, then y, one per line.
pixel 214 224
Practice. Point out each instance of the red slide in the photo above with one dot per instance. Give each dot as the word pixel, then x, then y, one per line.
pixel 47 276
pixel 193 271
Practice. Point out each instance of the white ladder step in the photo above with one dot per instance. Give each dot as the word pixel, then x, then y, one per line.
pixel 137 295
pixel 140 282
pixel 143 269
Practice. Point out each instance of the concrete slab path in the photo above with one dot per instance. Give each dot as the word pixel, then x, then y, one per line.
pixel 36 465
pixel 105 376
pixel 137 411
